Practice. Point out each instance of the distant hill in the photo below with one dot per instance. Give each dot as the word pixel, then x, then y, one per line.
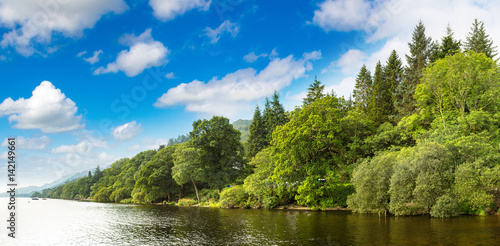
pixel 242 126
pixel 27 191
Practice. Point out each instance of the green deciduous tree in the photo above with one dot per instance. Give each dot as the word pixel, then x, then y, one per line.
pixel 219 149
pixel 188 167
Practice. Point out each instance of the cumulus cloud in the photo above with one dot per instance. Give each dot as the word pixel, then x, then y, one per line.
pixel 33 22
pixel 30 143
pixel 237 90
pixel 348 63
pixel 168 9
pixel 95 58
pixel 47 109
pixel 342 15
pixel 127 131
pixel 226 26
pixel 252 57
pixel 144 53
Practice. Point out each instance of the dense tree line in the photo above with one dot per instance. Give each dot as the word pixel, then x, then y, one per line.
pixel 420 138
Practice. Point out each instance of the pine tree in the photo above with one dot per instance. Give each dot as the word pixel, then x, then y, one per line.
pixel 257 138
pixel 363 89
pixel 449 46
pixel 478 40
pixel 420 49
pixel 379 109
pixel 274 115
pixel 315 92
pixel 393 76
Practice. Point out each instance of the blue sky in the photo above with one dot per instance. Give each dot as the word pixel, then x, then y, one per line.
pixel 84 83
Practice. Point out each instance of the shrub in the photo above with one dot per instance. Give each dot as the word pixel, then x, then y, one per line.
pixel 270 202
pixel 234 196
pixel 444 207
pixel 186 202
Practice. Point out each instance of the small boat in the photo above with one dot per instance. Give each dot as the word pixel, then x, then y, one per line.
pixel 34 198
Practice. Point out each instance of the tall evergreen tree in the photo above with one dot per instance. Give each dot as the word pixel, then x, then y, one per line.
pixel 257 139
pixel 420 51
pixel 393 77
pixel 381 97
pixel 363 89
pixel 274 115
pixel 315 92
pixel 479 42
pixel 449 45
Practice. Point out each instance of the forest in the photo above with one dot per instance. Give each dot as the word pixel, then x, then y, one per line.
pixel 421 138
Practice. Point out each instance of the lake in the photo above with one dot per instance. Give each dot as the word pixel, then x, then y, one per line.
pixel 60 222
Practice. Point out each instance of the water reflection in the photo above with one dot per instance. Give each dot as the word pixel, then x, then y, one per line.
pixel 57 222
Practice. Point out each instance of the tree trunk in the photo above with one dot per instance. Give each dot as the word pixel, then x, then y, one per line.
pixel 196 189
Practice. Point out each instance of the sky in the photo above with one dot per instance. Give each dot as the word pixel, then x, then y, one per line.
pixel 85 83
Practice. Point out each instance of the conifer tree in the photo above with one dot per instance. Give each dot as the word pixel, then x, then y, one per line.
pixel 274 115
pixel 379 108
pixel 257 138
pixel 420 51
pixel 479 42
pixel 315 92
pixel 363 89
pixel 393 75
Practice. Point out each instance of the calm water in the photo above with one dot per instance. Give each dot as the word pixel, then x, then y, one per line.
pixel 58 222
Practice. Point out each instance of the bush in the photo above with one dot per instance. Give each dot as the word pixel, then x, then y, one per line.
pixel 444 207
pixel 234 196
pixel 186 202
pixel 127 200
pixel 270 202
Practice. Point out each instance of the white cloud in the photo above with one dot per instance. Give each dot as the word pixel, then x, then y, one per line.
pixel 342 15
pixel 4 155
pixel 344 88
pixel 226 26
pixel 144 53
pixel 81 147
pixel 95 58
pixel 3 58
pixel 127 131
pixel 30 143
pixel 252 57
pixel 47 109
pixel 80 54
pixel 170 75
pixel 348 63
pixel 169 9
pixel 238 90
pixel 33 22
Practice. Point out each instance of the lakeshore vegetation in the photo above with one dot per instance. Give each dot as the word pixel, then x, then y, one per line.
pixel 415 139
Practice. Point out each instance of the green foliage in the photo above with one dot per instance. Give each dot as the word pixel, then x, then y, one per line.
pixel 363 89
pixel 233 196
pixel 257 139
pixel 218 146
pixel 36 194
pixel 188 166
pixel 258 184
pixel 477 40
pixel 445 206
pixel 186 202
pixel 274 116
pixel 315 92
pixel 420 51
pixel 372 181
pixel 422 174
